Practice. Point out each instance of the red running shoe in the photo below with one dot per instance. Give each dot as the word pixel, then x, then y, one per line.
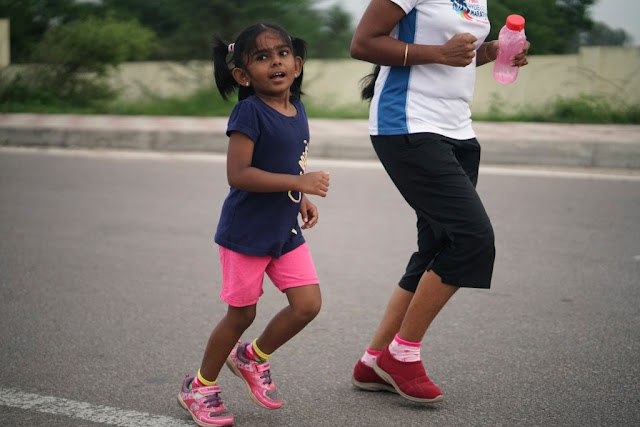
pixel 365 378
pixel 408 378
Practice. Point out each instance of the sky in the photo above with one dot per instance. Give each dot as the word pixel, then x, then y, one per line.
pixel 615 14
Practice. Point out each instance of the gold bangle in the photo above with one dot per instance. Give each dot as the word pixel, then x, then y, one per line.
pixel 406 51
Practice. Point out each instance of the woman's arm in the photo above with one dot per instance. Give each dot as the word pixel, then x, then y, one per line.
pixel 488 52
pixel 371 41
pixel 243 176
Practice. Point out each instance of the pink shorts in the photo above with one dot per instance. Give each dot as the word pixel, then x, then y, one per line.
pixel 242 275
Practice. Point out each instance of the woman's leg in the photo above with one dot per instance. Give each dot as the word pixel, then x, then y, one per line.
pixel 429 175
pixel 392 318
pixel 430 297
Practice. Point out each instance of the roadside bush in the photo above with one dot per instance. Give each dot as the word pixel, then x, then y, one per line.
pixel 73 61
pixel 593 109
pixel 580 109
pixel 93 45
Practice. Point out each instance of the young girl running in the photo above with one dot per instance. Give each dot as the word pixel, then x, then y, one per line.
pixel 258 231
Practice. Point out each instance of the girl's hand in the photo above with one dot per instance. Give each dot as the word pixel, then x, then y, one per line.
pixel 308 213
pixel 314 183
pixel 520 60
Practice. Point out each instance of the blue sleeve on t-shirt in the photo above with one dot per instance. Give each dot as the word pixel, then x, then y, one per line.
pixel 244 118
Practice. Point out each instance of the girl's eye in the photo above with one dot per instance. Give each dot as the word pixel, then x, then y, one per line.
pixel 261 57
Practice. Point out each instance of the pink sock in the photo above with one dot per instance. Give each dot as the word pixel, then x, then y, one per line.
pixel 405 351
pixel 250 353
pixel 196 383
pixel 369 356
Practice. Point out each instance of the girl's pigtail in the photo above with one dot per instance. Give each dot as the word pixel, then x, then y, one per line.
pixel 221 72
pixel 369 84
pixel 299 49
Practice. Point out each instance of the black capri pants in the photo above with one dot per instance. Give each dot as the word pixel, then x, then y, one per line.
pixel 437 176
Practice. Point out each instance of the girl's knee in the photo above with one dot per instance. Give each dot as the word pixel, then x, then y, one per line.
pixel 241 317
pixel 307 310
pixel 306 314
pixel 305 302
pixel 312 310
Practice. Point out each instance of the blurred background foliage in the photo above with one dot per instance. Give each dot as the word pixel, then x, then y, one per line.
pixel 71 45
pixel 557 26
pixel 183 30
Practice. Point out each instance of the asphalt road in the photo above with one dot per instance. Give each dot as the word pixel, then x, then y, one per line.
pixel 109 283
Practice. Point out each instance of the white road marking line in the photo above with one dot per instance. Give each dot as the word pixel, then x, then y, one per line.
pixel 525 171
pixel 86 411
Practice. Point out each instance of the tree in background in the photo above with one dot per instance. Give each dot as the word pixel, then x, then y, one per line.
pixel 72 61
pixel 602 35
pixel 554 26
pixel 30 20
pixel 91 46
pixel 335 35
pixel 185 29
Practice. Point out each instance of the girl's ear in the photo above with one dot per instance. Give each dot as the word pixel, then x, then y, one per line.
pixel 240 76
pixel 298 66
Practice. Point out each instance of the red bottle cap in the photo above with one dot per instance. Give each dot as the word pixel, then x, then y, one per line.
pixel 515 22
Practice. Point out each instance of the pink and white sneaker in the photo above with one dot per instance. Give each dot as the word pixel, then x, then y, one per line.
pixel 204 404
pixel 256 375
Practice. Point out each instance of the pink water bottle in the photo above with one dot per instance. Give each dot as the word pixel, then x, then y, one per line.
pixel 510 41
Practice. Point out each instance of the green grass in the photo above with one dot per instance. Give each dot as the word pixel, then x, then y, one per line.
pixel 582 109
pixel 209 103
pixel 202 103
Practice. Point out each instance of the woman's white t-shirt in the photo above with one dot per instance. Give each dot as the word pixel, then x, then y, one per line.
pixel 431 97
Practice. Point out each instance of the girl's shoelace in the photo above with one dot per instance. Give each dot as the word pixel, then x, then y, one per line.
pixel 213 401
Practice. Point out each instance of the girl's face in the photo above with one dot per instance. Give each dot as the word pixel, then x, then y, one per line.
pixel 271 68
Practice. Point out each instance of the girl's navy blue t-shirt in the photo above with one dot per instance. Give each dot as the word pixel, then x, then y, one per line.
pixel 261 224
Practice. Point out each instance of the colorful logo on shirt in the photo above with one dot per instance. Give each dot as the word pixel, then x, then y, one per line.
pixel 471 10
pixel 303 167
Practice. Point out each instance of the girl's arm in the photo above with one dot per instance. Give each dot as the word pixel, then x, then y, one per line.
pixel 309 213
pixel 371 41
pixel 243 176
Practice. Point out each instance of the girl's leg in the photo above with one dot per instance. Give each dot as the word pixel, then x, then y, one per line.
pixel 224 337
pixel 249 364
pixel 304 306
pixel 198 395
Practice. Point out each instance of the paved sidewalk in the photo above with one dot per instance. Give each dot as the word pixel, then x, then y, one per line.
pixel 604 146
